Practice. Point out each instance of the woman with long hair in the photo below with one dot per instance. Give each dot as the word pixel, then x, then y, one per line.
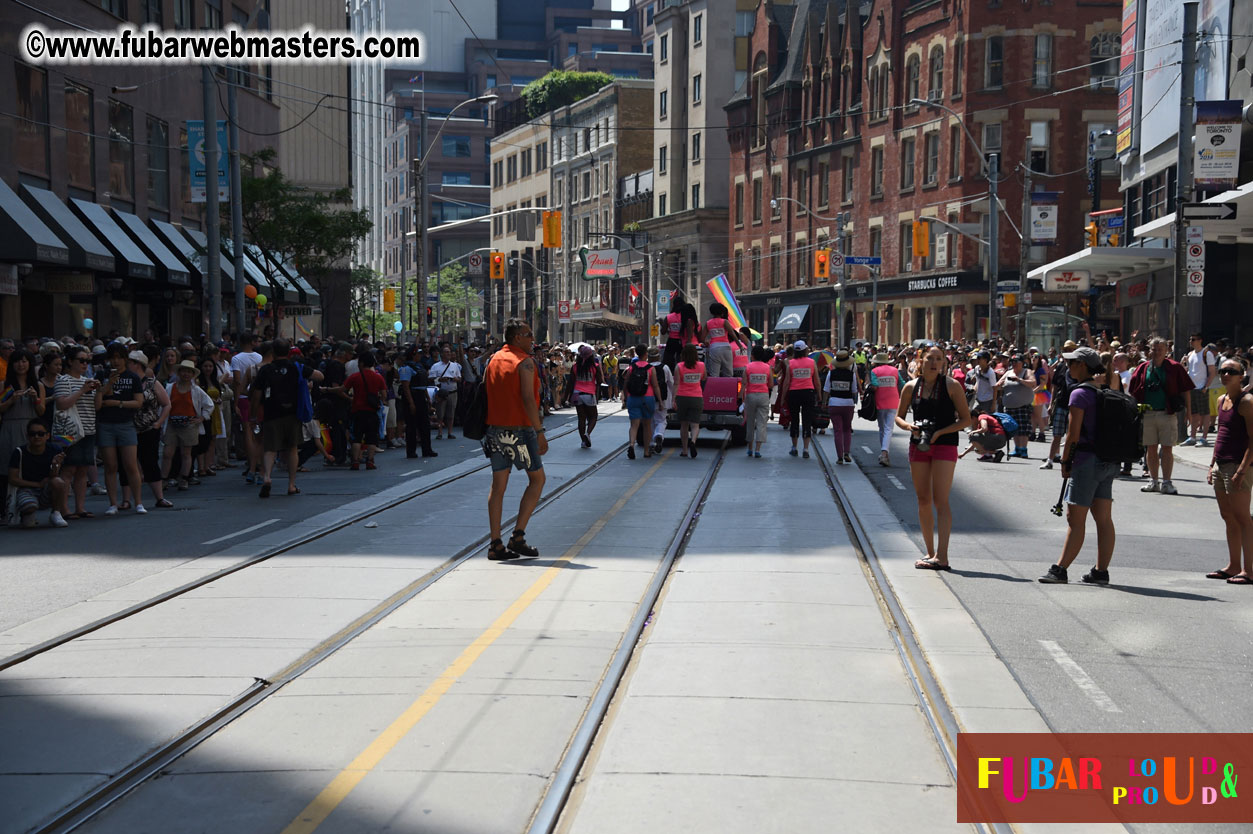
pixel 640 397
pixel 586 383
pixel 940 413
pixel 51 368
pixel 203 454
pixel 800 382
pixel 720 338
pixel 149 422
pixel 843 390
pixel 1229 472
pixel 22 399
pixel 689 399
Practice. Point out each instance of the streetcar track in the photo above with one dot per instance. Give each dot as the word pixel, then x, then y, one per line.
pixel 153 763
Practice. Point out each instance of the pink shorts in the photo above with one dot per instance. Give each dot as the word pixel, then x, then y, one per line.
pixel 245 410
pixel 948 453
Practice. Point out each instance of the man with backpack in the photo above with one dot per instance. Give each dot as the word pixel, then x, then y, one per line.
pixel 276 395
pixel 1103 430
pixel 366 389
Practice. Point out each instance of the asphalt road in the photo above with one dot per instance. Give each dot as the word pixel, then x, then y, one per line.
pixel 47 569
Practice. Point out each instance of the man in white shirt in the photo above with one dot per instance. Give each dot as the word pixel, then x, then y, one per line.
pixel 1202 366
pixel 984 382
pixel 244 360
pixel 446 374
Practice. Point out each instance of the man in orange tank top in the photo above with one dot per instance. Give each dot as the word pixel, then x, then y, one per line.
pixel 515 436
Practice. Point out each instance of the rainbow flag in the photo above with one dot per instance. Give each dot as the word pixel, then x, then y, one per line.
pixel 301 325
pixel 721 289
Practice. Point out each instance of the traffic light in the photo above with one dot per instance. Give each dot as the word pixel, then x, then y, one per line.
pixel 552 229
pixel 496 262
pixel 1093 233
pixel 822 263
pixel 389 300
pixel 430 315
pixel 922 238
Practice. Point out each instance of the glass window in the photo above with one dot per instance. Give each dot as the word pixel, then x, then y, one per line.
pixel 1103 58
pixel 954 152
pixel 876 171
pixel 80 150
pixel 776 191
pixel 931 162
pixel 739 204
pixel 696 89
pixel 876 242
pixel 455 178
pixel 913 69
pixel 182 14
pixel 755 258
pixel 665 48
pixel 774 265
pixel 757 200
pixel 698 29
pixel 935 80
pixel 184 174
pixel 663 104
pixel 648 15
pixel 661 206
pixel 121 151
pixel 695 147
pixel 959 66
pixel 456 146
pixel 117 8
pixel 744 23
pixel 802 189
pixel 907 163
pixel 906 247
pixel 31 147
pixel 158 164
pixel 696 196
pixel 1042 75
pixel 152 12
pixel 850 173
pixel 994 73
pixel 662 154
pixel 824 184
pixel 213 14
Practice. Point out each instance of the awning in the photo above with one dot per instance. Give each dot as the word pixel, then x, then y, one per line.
pixel 791 317
pixel 201 245
pixel 1237 230
pixel 308 294
pixel 1108 264
pixel 26 237
pixel 85 250
pixel 169 268
pixel 604 318
pixel 131 261
pixel 282 289
pixel 255 275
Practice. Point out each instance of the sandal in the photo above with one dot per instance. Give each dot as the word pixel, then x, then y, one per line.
pixel 125 505
pixel 1219 574
pixel 1240 579
pixel 302 469
pixel 931 564
pixel 84 514
pixel 294 491
pixel 165 504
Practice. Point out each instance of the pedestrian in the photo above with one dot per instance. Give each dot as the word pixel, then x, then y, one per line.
pixel 416 404
pixel 677 329
pixel 640 397
pixel 149 423
pixel 987 437
pixel 276 396
pixel 1163 385
pixel 190 407
pixel 983 378
pixel 514 438
pixel 366 389
pixel 1229 473
pixel 799 388
pixel 1090 484
pixel 1202 366
pixel 75 394
pixel 1017 391
pixel 22 399
pixel 885 380
pixel 940 412
pixel 843 390
pixel 1062 385
pixel 34 475
pixel 118 400
pixel 242 365
pixel 665 396
pixel 586 383
pixel 689 398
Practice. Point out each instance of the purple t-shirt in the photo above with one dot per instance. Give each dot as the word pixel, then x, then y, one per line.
pixel 1085 398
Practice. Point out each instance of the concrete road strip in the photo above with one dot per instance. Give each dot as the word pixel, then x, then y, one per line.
pixel 242 532
pixel 1080 677
pixel 896 482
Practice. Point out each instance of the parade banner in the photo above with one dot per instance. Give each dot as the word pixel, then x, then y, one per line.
pixel 721 289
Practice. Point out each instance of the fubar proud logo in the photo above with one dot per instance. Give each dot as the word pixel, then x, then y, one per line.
pixel 1104 777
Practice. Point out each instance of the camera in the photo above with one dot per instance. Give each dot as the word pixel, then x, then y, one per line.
pixel 926 428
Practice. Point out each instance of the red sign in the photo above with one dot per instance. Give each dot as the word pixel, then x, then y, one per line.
pixel 563 311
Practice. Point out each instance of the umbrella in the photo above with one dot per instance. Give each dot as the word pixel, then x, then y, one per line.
pixel 573 347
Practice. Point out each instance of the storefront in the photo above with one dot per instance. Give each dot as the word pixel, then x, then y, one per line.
pixel 1144 304
pixel 31 251
pixel 952 306
pixel 787 316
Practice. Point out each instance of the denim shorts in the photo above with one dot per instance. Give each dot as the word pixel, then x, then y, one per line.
pixel 1091 480
pixel 641 408
pixel 516 446
pixel 115 435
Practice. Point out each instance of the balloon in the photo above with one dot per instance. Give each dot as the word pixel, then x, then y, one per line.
pixel 250 291
pixel 398 327
pixel 261 299
pixel 88 324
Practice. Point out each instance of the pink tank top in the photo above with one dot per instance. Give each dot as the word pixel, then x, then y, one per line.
pixel 886 394
pixel 758 378
pixel 803 373
pixel 642 363
pixel 717 330
pixel 739 359
pixel 689 380
pixel 585 385
pixel 674 325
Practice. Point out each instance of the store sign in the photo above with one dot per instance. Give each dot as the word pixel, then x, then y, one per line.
pixel 1044 217
pixel 1217 144
pixel 959 282
pixel 1077 280
pixel 942 282
pixel 71 284
pixel 599 263
pixel 8 279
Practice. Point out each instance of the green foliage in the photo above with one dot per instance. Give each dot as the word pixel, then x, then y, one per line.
pixel 559 88
pixel 364 286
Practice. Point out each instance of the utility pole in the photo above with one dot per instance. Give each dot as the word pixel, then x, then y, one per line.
pixel 840 220
pixel 404 256
pixel 211 221
pixel 419 216
pixel 1024 251
pixel 237 198
pixel 1183 182
pixel 994 252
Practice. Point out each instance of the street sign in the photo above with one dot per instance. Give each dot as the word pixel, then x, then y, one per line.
pixel 663 302
pixel 862 260
pixel 1026 299
pixel 1196 256
pixel 563 312
pixel 837 259
pixel 1196 283
pixel 1068 280
pixel 1194 234
pixel 1209 211
pixel 476 263
pixel 1007 286
pixel 1114 223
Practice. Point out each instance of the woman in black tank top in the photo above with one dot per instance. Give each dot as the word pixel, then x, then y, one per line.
pixel 940 412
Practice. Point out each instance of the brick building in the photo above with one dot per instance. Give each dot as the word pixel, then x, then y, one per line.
pixel 824 125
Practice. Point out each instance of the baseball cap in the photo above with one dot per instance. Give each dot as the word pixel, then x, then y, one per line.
pixel 800 345
pixel 1086 355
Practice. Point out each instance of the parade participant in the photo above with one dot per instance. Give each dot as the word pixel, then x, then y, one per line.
pixel 721 339
pixel 675 326
pixel 759 388
pixel 940 413
pixel 885 380
pixel 34 474
pixel 665 396
pixel 515 437
pixel 1163 385
pixel 639 396
pixel 117 402
pixel 586 383
pixel 799 389
pixel 1229 473
pixel 843 390
pixel 1091 481
pixel 741 353
pixel 689 399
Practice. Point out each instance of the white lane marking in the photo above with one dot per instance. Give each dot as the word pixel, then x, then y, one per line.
pixel 1080 677
pixel 241 532
pixel 407 474
pixel 867 450
pixel 896 482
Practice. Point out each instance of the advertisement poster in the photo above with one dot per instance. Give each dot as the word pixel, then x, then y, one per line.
pixel 195 147
pixel 1217 162
pixel 1127 76
pixel 1044 217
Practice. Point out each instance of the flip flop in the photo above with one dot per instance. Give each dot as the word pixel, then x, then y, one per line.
pixel 294 491
pixel 1219 574
pixel 1240 580
pixel 931 564
pixel 85 515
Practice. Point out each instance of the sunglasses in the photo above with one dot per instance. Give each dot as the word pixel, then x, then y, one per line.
pixel 36 434
pixel 1231 372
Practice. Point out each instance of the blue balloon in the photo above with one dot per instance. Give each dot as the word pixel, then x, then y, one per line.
pixel 398 327
pixel 88 324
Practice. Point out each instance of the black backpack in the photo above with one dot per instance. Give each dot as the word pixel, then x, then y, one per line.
pixel 474 421
pixel 637 380
pixel 1119 426
pixel 661 381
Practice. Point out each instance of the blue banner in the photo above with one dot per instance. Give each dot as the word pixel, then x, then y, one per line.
pixel 195 149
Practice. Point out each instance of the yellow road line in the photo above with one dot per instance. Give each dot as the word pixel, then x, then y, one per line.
pixel 316 812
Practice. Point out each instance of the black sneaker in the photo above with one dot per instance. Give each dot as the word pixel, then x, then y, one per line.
pixel 497 552
pixel 1055 576
pixel 657 442
pixel 1096 577
pixel 631 452
pixel 998 457
pixel 518 546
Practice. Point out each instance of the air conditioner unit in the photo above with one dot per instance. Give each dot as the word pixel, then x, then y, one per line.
pixel 1110 81
pixel 909 266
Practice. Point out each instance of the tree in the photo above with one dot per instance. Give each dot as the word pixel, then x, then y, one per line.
pixel 559 88
pixel 311 231
pixel 454 291
pixel 364 286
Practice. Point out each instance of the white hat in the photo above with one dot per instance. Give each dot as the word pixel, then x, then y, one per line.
pixel 800 345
